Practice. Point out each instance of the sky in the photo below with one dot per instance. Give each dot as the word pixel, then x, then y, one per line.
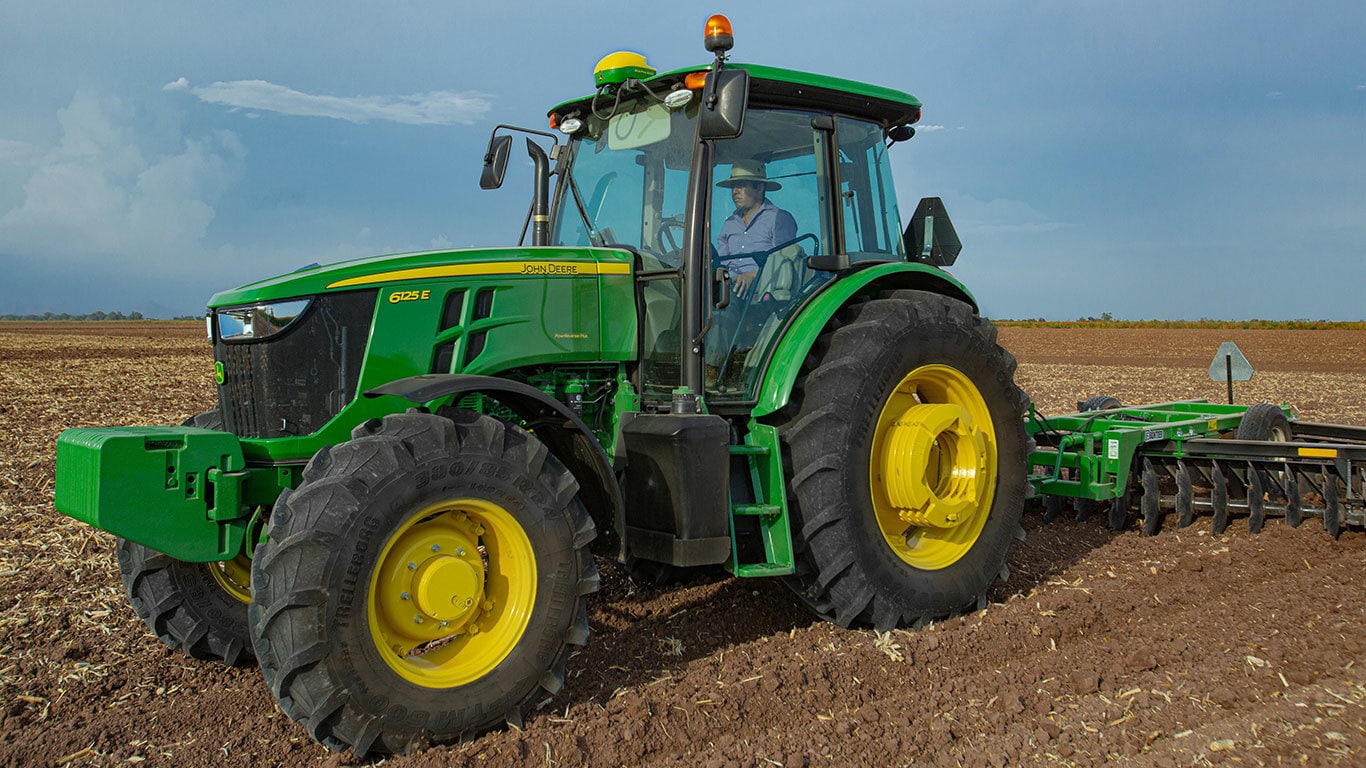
pixel 1166 160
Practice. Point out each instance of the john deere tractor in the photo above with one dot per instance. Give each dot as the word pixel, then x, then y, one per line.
pixel 391 509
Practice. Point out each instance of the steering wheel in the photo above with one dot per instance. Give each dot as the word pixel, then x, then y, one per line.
pixel 668 247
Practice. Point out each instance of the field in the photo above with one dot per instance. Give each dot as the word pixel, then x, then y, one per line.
pixel 1184 649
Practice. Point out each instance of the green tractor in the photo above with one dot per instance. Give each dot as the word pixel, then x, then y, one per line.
pixel 392 507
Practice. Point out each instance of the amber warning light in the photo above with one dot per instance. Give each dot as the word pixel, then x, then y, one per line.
pixel 719 37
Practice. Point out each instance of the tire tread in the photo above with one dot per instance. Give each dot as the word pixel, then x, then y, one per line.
pixel 336 483
pixel 817 434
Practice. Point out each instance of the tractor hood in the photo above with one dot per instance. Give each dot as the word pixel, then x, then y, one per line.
pixel 398 268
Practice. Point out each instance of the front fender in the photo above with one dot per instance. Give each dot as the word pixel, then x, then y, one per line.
pixel 562 431
pixel 803 330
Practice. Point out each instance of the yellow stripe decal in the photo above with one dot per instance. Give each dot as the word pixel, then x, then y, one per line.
pixel 533 268
pixel 1319 453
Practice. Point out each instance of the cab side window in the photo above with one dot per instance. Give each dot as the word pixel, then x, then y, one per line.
pixel 872 223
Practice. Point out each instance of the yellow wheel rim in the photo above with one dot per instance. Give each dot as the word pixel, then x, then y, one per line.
pixel 234 576
pixel 452 593
pixel 933 467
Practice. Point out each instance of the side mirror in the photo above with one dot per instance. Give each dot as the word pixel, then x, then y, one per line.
pixel 723 104
pixel 900 133
pixel 930 238
pixel 495 162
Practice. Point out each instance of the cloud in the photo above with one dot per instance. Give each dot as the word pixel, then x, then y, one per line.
pixel 97 197
pixel 928 128
pixel 20 152
pixel 434 108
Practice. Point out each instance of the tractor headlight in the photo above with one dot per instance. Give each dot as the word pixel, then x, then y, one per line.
pixel 258 321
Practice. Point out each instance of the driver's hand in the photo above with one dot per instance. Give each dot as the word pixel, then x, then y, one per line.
pixel 741 283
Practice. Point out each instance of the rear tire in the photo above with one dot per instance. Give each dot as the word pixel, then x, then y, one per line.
pixel 883 372
pixel 424 583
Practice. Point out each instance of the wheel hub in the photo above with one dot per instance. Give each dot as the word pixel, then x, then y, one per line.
pixel 233 576
pixel 452 592
pixel 435 582
pixel 933 465
pixel 446 588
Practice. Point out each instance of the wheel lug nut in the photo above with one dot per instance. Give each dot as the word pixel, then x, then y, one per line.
pixel 417 619
pixel 412 566
pixel 405 596
pixel 436 548
pixel 460 552
pixel 445 624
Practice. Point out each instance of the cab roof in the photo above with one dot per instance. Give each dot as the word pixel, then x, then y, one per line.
pixel 776 87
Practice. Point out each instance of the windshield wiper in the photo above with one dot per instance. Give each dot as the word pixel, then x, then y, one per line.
pixel 593 236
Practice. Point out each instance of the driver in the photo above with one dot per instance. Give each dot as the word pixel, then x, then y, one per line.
pixel 756 226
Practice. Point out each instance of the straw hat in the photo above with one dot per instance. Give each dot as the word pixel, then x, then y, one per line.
pixel 748 170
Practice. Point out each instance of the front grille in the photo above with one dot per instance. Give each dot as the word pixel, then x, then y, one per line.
pixel 294 382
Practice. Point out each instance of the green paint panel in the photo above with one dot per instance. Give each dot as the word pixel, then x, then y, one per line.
pixel 387 270
pixel 174 489
pixel 517 316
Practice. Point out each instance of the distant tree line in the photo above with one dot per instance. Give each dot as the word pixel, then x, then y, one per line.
pixel 88 316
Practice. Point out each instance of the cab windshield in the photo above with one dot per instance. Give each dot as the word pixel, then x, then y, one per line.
pixel 627 186
pixel 630 171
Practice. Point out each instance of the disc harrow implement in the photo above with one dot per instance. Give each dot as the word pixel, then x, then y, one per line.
pixel 1198 459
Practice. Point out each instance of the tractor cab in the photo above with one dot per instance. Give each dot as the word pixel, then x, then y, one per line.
pixel 663 166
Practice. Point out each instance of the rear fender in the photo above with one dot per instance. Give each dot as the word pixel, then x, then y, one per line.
pixel 562 431
pixel 806 326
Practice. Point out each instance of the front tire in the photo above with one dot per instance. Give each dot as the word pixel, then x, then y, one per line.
pixel 200 608
pixel 424 583
pixel 908 449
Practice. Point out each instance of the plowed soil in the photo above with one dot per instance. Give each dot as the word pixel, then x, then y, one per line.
pixel 1183 649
